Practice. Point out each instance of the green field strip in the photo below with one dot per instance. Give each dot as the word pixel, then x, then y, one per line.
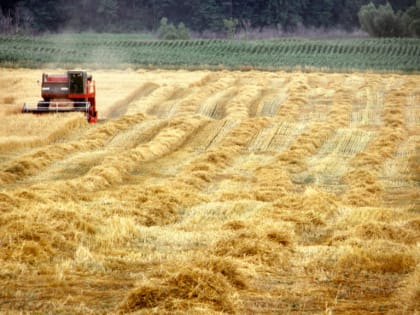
pixel 114 50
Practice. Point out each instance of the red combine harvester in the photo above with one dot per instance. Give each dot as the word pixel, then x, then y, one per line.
pixel 73 91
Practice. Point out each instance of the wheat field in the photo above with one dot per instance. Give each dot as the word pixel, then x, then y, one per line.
pixel 203 192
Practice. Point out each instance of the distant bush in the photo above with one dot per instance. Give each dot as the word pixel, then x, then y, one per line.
pixel 411 20
pixel 230 27
pixel 171 32
pixel 381 21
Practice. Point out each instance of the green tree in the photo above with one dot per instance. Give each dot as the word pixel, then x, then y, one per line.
pixel 171 32
pixel 319 13
pixel 346 14
pixel 198 15
pixel 411 20
pixel 182 31
pixel 207 15
pixel 230 27
pixel 284 13
pixel 367 15
pixel 107 10
pixel 381 21
pixel 45 14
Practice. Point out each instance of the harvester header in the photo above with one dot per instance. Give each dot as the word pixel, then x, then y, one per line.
pixel 73 91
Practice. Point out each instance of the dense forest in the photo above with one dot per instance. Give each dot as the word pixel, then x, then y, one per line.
pixel 40 16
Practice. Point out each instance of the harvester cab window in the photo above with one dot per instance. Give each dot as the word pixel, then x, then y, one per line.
pixel 76 83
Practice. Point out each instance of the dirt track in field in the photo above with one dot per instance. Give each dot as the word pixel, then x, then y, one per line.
pixel 213 192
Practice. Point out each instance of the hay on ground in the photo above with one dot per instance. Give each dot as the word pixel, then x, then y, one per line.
pixel 209 282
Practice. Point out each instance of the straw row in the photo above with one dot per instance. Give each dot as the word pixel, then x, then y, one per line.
pixel 32 163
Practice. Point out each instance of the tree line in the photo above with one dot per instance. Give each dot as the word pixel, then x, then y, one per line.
pixel 383 21
pixel 40 16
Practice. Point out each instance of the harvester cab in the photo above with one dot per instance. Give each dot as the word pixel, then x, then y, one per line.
pixel 73 91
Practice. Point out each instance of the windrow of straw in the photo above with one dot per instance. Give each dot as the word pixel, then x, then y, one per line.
pixel 252 93
pixel 364 189
pixel 311 140
pixel 17 132
pixel 239 106
pixel 412 113
pixel 391 133
pixel 163 93
pixel 206 282
pixel 364 274
pixel 369 262
pixel 296 99
pixel 151 103
pixel 414 163
pixel 33 162
pixel 368 104
pixel 214 279
pixel 263 245
pixel 199 94
pixel 407 296
pixel 7 108
pixel 142 132
pixel 215 105
pixel 272 183
pixel 269 102
pixel 273 94
pixel 376 256
pixel 202 170
pixel 153 204
pixel 115 169
pixel 208 77
pixel 120 107
pixel 269 182
pixel 331 162
pixel 374 230
pixel 368 223
pixel 160 91
pixel 191 215
pixel 38 235
pixel 310 210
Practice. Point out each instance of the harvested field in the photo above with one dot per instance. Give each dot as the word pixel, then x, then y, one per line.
pixel 203 192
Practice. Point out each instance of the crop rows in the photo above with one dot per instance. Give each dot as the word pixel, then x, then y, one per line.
pixel 114 50
pixel 213 192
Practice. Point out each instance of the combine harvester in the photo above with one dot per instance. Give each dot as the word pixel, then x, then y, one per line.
pixel 73 91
